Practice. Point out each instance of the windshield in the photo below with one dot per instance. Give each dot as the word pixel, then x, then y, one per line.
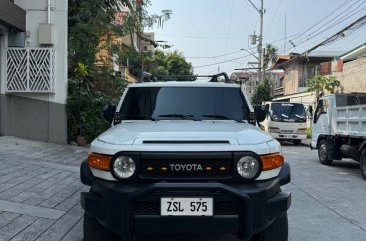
pixel 189 103
pixel 288 112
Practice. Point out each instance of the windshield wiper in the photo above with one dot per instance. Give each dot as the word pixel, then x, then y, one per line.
pixel 222 117
pixel 180 116
pixel 299 116
pixel 139 117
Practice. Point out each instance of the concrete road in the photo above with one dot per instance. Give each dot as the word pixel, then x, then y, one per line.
pixel 40 194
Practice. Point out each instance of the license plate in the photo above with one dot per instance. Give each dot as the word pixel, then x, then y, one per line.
pixel 186 206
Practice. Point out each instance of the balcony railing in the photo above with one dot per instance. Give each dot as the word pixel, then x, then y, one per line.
pixel 278 91
pixel 30 70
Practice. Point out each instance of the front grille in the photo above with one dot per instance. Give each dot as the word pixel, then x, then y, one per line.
pixel 287 131
pixel 220 208
pixel 186 168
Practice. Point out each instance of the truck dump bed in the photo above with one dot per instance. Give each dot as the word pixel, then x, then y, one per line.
pixel 350 119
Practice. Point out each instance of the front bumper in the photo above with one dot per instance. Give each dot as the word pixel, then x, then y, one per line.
pixel 283 136
pixel 113 204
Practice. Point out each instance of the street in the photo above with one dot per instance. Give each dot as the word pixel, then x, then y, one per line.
pixel 40 192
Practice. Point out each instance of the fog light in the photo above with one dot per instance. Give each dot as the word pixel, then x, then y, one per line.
pixel 248 167
pixel 124 167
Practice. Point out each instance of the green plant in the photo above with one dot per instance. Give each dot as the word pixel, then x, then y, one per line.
pixel 320 83
pixel 308 132
pixel 86 101
pixel 262 93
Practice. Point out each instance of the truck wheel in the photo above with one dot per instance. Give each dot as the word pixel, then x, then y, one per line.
pixel 94 231
pixel 363 163
pixel 323 153
pixel 277 231
pixel 296 142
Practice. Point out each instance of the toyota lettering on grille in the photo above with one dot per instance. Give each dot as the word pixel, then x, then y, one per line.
pixel 186 167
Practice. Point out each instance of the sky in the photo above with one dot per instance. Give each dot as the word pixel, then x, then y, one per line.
pixel 213 34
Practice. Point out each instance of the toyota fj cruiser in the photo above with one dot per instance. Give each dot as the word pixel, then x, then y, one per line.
pixel 185 157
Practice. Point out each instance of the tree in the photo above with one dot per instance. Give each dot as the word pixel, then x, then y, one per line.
pixel 320 83
pixel 171 63
pixel 158 63
pixel 270 55
pixel 90 21
pixel 262 93
pixel 90 87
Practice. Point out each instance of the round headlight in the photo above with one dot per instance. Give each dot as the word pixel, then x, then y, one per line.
pixel 124 167
pixel 248 167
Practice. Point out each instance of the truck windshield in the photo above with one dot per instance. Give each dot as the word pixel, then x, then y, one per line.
pixel 288 112
pixel 188 103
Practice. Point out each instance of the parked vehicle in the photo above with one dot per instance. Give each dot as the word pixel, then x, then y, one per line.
pixel 285 121
pixel 185 157
pixel 339 128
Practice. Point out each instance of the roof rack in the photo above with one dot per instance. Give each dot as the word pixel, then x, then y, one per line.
pixel 148 77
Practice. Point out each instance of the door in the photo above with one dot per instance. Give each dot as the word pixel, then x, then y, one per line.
pixel 321 124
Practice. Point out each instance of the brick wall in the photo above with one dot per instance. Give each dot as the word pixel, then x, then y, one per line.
pixel 353 76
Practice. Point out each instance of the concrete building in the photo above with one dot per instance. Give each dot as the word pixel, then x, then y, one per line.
pixel 350 69
pixel 249 80
pixel 297 72
pixel 33 73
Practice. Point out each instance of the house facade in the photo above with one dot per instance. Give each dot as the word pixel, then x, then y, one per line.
pixel 297 70
pixel 33 69
pixel 350 69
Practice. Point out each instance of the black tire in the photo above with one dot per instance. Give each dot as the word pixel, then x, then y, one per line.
pixel 296 142
pixel 277 231
pixel 363 163
pixel 94 231
pixel 323 153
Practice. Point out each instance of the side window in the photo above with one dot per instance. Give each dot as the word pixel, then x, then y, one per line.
pixel 322 108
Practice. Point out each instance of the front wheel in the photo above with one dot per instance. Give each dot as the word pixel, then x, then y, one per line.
pixel 277 231
pixel 323 153
pixel 363 163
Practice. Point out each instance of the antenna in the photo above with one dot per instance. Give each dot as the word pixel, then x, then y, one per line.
pixel 285 37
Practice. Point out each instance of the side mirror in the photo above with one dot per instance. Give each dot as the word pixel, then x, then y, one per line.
pixel 260 114
pixel 311 110
pixel 108 112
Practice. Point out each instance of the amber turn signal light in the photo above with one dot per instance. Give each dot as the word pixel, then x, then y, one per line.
pixel 98 161
pixel 272 161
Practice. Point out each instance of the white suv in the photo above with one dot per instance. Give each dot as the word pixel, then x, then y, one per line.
pixel 185 157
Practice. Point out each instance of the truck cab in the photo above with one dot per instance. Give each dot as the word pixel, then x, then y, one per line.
pixel 285 121
pixel 339 128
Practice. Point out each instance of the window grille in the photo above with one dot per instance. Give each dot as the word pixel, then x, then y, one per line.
pixel 30 70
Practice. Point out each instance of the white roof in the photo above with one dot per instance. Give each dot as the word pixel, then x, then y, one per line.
pixel 184 84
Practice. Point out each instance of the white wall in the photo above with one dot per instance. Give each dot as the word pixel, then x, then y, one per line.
pixel 36 14
pixel 3 44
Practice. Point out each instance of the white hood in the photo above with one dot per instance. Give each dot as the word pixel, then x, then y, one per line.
pixel 136 132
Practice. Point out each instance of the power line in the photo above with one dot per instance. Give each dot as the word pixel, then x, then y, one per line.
pixel 230 21
pixel 330 27
pixel 330 24
pixel 199 37
pixel 351 27
pixel 317 23
pixel 275 14
pixel 222 62
pixel 216 56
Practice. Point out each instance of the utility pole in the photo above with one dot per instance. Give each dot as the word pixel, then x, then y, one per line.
pixel 254 39
pixel 260 45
